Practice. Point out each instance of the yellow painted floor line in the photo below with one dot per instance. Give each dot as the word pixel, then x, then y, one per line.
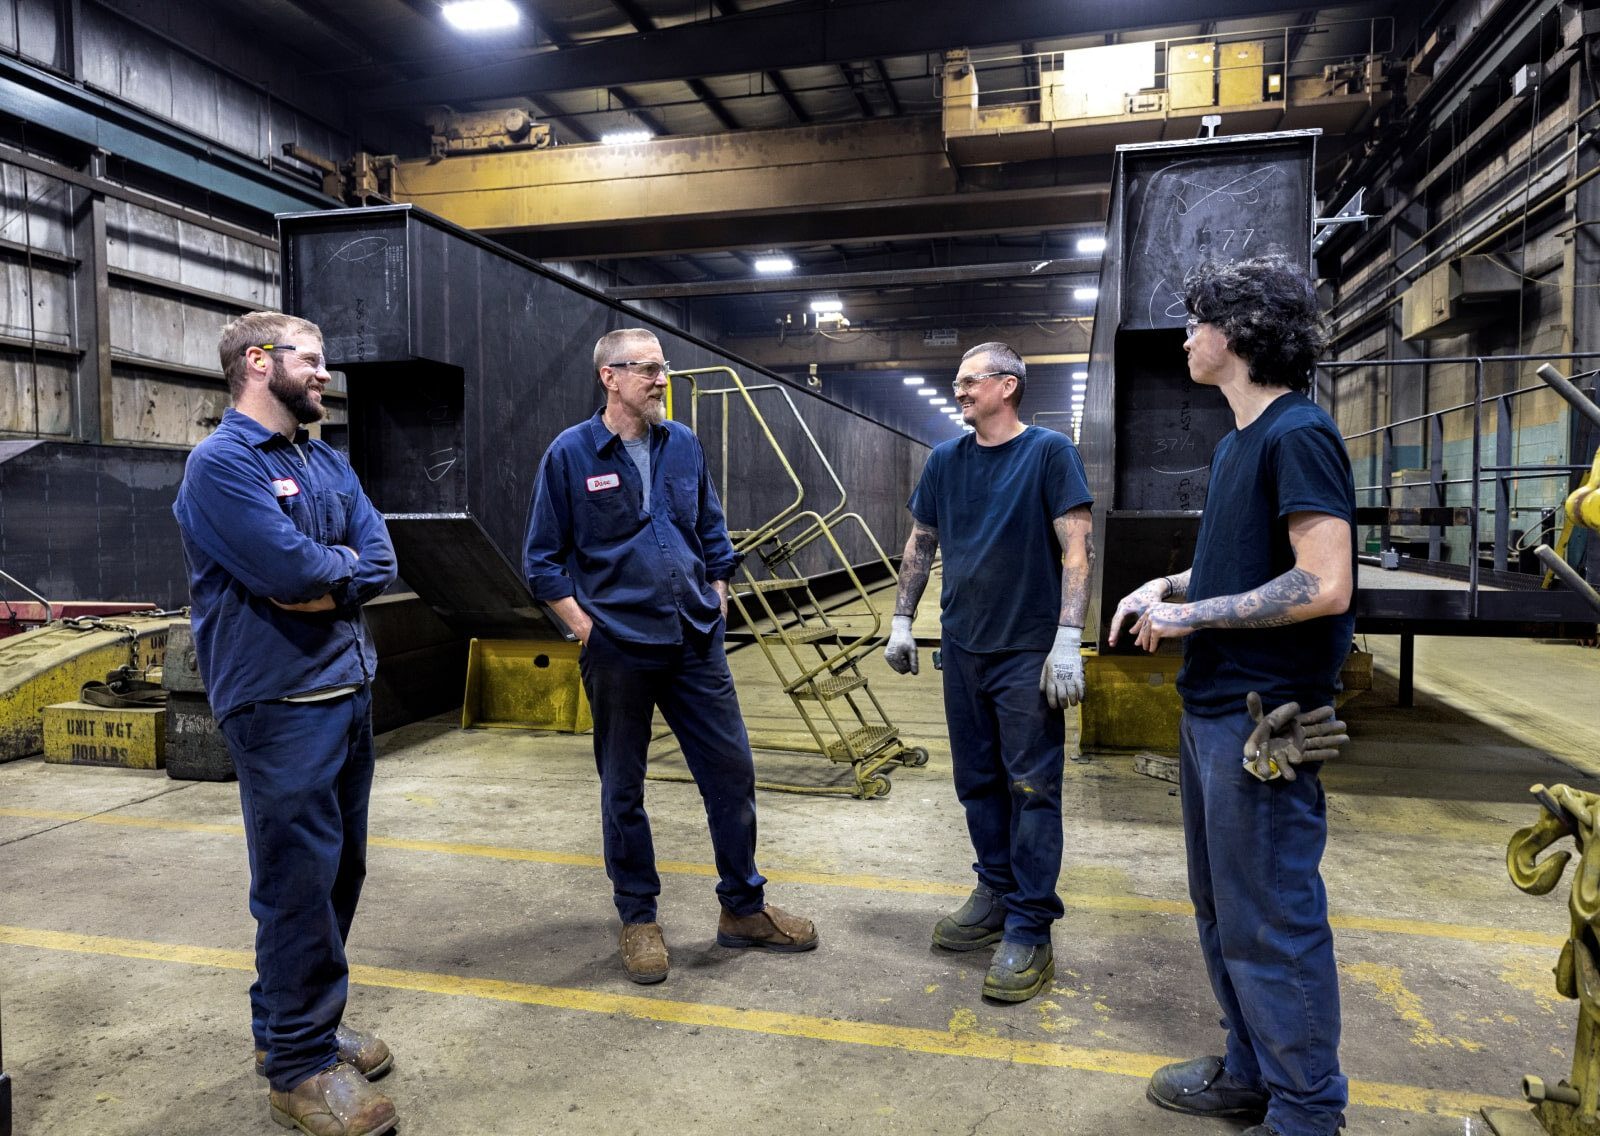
pixel 1083 901
pixel 909 1039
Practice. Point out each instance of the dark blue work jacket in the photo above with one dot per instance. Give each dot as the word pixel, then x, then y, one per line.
pixel 640 575
pixel 264 518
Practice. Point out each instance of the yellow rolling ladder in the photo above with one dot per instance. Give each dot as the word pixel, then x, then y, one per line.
pixel 814 648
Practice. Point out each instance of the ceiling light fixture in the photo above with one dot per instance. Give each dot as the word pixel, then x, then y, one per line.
pixel 1080 374
pixel 939 401
pixel 625 137
pixel 1085 293
pixel 913 380
pixel 481 15
pixel 773 263
pixel 1091 244
pixel 926 392
pixel 826 306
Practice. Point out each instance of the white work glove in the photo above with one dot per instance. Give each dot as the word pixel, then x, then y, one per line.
pixel 901 652
pixel 1061 681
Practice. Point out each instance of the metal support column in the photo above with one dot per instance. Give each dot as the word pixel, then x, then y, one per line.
pixel 1408 663
pixel 1502 481
pixel 91 331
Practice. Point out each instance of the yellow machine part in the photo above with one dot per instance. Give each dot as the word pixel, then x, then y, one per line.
pixel 525 684
pixel 1133 705
pixel 50 665
pixel 76 733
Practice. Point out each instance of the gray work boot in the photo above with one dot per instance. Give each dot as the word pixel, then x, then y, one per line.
pixel 1019 971
pixel 1204 1087
pixel 976 923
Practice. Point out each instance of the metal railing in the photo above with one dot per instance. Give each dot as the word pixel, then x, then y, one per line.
pixel 1501 472
pixel 1282 53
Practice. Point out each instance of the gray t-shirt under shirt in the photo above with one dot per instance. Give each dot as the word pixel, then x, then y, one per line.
pixel 639 451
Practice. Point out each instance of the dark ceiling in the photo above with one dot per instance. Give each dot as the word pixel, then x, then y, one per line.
pixel 700 67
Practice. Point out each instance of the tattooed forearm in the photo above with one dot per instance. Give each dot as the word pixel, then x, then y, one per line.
pixel 921 547
pixel 1076 538
pixel 1277 603
pixel 1178 586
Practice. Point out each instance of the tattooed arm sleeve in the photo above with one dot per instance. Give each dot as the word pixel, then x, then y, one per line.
pixel 921 547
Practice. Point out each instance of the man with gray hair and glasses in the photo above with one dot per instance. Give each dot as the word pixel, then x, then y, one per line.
pixel 1008 506
pixel 628 546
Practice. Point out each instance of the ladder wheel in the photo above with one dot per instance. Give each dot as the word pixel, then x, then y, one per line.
pixel 915 758
pixel 877 786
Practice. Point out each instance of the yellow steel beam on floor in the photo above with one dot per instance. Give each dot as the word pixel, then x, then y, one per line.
pixel 1059 341
pixel 909 1039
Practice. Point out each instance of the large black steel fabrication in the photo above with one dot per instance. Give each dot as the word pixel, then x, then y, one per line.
pixel 1148 431
pixel 464 361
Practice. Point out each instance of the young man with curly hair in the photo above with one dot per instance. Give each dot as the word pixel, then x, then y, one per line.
pixel 1265 607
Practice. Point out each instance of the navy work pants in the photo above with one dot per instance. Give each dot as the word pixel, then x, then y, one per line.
pixel 692 685
pixel 1007 747
pixel 305 774
pixel 1254 851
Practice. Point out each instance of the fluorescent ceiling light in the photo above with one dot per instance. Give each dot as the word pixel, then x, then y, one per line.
pixel 1091 244
pixel 913 380
pixel 625 137
pixel 481 15
pixel 1076 387
pixel 1080 374
pixel 774 263
pixel 1085 293
pixel 939 402
pixel 822 306
pixel 926 392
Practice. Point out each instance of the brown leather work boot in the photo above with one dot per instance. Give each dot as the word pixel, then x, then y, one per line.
pixel 644 953
pixel 771 927
pixel 366 1051
pixel 335 1102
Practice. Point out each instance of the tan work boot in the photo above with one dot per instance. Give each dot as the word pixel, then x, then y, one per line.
pixel 366 1051
pixel 644 953
pixel 771 927
pixel 335 1102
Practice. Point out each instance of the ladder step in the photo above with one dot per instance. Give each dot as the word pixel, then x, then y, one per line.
pixel 864 741
pixel 824 689
pixel 745 587
pixel 799 635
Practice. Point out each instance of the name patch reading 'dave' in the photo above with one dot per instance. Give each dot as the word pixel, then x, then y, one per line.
pixel 604 481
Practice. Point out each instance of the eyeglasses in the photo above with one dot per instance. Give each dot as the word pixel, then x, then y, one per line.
pixel 317 360
pixel 1190 326
pixel 963 385
pixel 649 368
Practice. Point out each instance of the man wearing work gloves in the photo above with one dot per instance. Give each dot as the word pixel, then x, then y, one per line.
pixel 1266 607
pixel 1008 506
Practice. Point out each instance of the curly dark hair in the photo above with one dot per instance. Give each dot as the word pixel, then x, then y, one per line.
pixel 1267 309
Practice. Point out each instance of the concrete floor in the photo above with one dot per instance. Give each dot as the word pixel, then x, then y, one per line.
pixel 485 948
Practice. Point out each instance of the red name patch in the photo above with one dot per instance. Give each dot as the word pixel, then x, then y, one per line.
pixel 595 484
pixel 285 487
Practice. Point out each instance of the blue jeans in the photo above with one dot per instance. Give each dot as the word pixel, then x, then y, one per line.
pixel 1254 849
pixel 305 774
pixel 692 685
pixel 1007 749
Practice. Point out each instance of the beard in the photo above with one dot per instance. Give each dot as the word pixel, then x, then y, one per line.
pixel 295 396
pixel 655 411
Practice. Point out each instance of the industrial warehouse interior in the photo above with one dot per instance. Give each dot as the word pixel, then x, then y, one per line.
pixel 511 238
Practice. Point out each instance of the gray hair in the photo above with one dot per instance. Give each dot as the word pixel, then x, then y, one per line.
pixel 1003 357
pixel 607 346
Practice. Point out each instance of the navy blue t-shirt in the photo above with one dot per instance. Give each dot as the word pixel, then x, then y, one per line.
pixel 1290 460
pixel 995 508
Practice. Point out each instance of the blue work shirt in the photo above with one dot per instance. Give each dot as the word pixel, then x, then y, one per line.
pixel 1289 460
pixel 261 518
pixel 995 509
pixel 640 574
